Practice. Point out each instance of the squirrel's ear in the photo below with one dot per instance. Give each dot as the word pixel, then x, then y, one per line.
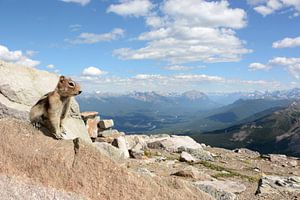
pixel 61 78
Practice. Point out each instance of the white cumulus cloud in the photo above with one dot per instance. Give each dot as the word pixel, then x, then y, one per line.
pixel 191 30
pixel 93 71
pixel 287 43
pixel 204 13
pixel 292 65
pixel 131 8
pixel 81 2
pixel 267 7
pixel 173 83
pixel 17 57
pixel 258 66
pixel 92 38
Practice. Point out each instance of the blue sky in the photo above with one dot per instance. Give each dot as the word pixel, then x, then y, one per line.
pixel 166 46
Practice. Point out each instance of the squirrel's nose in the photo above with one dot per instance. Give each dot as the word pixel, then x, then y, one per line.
pixel 79 92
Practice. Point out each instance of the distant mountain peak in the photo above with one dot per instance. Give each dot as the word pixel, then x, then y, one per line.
pixel 194 95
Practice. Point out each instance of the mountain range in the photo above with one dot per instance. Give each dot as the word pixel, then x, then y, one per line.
pixel 140 112
pixel 189 112
pixel 278 132
pixel 227 98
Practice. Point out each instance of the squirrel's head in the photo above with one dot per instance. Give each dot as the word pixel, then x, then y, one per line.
pixel 66 87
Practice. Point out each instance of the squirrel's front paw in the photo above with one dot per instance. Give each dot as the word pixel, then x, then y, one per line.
pixel 37 125
pixel 58 136
pixel 63 131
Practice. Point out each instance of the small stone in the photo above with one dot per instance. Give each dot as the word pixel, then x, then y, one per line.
pixel 137 152
pixel 92 126
pixel 88 115
pixel 225 172
pixel 236 150
pixel 213 155
pixel 256 169
pixel 121 144
pixel 106 124
pixel 186 157
pixel 247 152
pixel 109 133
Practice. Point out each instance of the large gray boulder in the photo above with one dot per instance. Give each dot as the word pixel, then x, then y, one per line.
pixel 200 154
pixel 21 87
pixel 174 143
pixel 133 140
pixel 110 151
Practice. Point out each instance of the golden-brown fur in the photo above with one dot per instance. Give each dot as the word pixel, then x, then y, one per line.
pixel 52 108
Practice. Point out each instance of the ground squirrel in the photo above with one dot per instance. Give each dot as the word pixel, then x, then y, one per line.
pixel 53 107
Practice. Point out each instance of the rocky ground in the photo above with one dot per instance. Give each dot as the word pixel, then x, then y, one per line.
pixel 37 167
pixel 223 174
pixel 243 170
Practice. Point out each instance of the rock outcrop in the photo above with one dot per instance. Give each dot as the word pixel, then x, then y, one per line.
pixel 278 184
pixel 111 151
pixel 174 143
pixel 21 87
pixel 78 167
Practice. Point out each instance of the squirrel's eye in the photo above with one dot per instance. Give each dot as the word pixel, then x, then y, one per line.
pixel 71 84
